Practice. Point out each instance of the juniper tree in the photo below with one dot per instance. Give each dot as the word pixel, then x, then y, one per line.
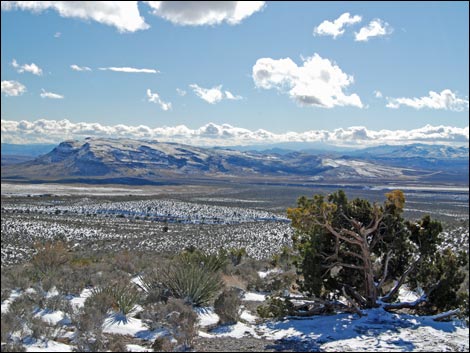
pixel 358 250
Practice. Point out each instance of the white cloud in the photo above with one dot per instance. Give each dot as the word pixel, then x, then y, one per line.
pixel 52 131
pixel 33 68
pixel 230 96
pixel 124 15
pixel 79 68
pixel 155 98
pixel 13 88
pixel 378 94
pixel 130 70
pixel 375 28
pixel 213 95
pixel 57 35
pixel 181 92
pixel 210 95
pixel 446 100
pixel 335 28
pixel 318 82
pixel 50 95
pixel 198 13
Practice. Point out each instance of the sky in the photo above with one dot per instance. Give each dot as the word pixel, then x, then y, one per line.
pixel 229 73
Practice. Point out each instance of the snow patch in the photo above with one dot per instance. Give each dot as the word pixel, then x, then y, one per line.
pixel 255 297
pixel 207 316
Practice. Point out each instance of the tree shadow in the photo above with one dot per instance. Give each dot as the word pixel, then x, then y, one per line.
pixel 379 328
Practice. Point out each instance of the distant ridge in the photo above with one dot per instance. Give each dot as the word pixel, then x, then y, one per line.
pixel 136 161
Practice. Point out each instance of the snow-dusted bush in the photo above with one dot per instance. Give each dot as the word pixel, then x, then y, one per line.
pixel 227 306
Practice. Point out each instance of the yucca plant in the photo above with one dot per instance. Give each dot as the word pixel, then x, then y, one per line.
pixel 122 297
pixel 194 284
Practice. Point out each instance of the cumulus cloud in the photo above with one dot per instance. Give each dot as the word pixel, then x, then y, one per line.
pixel 50 95
pixel 318 82
pixel 54 131
pixel 79 68
pixel 375 28
pixel 130 70
pixel 378 94
pixel 213 95
pixel 336 28
pixel 210 95
pixel 33 68
pixel 155 98
pixel 13 88
pixel 199 13
pixel 124 15
pixel 446 100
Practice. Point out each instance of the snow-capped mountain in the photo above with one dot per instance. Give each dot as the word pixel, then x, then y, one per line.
pixel 127 159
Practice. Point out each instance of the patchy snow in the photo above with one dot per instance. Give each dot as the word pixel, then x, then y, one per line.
pixel 64 190
pixel 128 326
pixel 7 302
pixel 237 330
pixel 137 348
pixel 48 346
pixel 52 292
pixel 79 302
pixel 264 274
pixel 407 295
pixel 207 316
pixel 53 317
pixel 255 297
pixel 377 331
pixel 121 325
pixel 363 169
pixel 248 317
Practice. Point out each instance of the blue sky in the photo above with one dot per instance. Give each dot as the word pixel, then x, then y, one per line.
pixel 383 82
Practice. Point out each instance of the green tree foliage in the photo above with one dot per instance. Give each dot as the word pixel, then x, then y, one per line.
pixel 368 251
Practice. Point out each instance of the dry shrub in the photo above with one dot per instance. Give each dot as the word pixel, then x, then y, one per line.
pixel 177 317
pixel 227 306
pixel 50 256
pixel 116 343
pixel 163 344
pixel 13 347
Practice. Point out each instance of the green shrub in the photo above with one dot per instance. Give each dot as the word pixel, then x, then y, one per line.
pixel 210 262
pixel 275 308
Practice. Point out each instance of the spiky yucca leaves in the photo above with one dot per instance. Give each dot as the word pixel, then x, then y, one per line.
pixel 195 284
pixel 121 297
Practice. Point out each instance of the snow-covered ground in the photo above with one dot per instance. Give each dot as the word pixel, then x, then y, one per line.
pixel 378 331
pixel 162 210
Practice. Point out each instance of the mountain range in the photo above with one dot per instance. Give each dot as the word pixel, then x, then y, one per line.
pixel 137 161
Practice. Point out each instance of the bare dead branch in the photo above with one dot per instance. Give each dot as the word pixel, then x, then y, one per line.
pixel 405 305
pixel 445 315
pixel 384 276
pixel 387 298
pixel 352 302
